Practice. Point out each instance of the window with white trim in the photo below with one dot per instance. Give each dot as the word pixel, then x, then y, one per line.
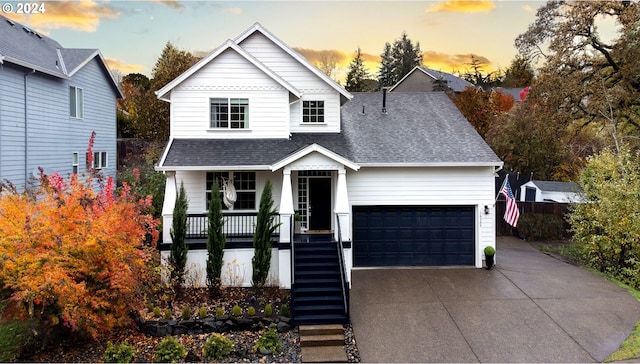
pixel 75 163
pixel 243 182
pixel 313 111
pixel 76 107
pixel 228 113
pixel 100 160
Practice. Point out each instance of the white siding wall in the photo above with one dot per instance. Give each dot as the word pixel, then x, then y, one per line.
pixel 430 186
pixel 230 76
pixel 312 86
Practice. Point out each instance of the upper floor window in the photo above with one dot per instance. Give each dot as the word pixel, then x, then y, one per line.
pixel 76 108
pixel 243 182
pixel 313 111
pixel 229 113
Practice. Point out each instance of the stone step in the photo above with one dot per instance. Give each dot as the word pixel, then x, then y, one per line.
pixel 324 354
pixel 336 329
pixel 322 340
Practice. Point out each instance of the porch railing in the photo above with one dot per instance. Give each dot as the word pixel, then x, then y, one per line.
pixel 236 225
pixel 343 273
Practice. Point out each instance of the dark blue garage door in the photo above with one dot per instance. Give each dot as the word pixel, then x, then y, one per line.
pixel 404 236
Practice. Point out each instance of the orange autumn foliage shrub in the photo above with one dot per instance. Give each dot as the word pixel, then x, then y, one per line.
pixel 74 254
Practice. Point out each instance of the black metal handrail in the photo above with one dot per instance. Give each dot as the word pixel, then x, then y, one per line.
pixel 240 224
pixel 343 272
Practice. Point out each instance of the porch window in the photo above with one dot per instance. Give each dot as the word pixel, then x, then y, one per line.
pixel 244 183
pixel 228 113
pixel 313 111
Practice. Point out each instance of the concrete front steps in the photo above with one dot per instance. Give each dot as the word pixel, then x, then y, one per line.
pixel 322 343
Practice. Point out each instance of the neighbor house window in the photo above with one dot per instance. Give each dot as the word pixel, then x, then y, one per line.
pixel 100 160
pixel 74 163
pixel 229 113
pixel 243 182
pixel 75 102
pixel 313 111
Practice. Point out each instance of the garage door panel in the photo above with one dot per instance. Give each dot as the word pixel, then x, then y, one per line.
pixel 413 235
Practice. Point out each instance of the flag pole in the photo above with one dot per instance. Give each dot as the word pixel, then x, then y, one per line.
pixel 501 187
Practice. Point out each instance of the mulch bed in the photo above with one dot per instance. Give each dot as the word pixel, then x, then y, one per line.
pixel 74 351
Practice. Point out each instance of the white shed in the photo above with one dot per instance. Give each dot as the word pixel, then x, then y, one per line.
pixel 551 191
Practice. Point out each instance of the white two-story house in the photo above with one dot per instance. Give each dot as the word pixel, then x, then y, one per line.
pixel 397 179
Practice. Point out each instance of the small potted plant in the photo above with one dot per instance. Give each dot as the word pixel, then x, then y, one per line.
pixel 297 223
pixel 489 254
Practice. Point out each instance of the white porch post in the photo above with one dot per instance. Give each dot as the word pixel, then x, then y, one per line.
pixel 342 205
pixel 170 194
pixel 286 212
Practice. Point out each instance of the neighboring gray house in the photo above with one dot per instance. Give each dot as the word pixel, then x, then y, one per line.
pixel 551 191
pixel 51 99
pixel 422 79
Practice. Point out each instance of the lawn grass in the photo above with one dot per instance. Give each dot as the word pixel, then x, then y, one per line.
pixel 630 348
pixel 13 336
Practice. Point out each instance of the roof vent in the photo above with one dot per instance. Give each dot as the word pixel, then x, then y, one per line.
pixel 384 100
pixel 11 23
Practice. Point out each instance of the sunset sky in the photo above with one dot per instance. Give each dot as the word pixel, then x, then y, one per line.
pixel 132 34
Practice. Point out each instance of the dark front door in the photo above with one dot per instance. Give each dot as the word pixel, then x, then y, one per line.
pixel 319 203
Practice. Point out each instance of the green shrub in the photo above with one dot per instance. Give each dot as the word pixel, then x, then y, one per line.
pixel 157 312
pixel 150 307
pixel 217 347
pixel 540 227
pixel 169 351
pixel 186 313
pixel 251 311
pixel 268 310
pixel 236 310
pixel 268 341
pixel 119 353
pixel 219 311
pixel 167 314
pixel 284 310
pixel 15 336
pixel 203 313
pixel 489 251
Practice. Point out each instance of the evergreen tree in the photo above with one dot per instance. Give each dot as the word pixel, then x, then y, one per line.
pixel 265 227
pixel 179 249
pixel 398 60
pixel 357 74
pixel 519 73
pixel 216 239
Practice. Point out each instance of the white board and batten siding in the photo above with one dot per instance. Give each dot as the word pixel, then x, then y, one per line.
pixel 53 135
pixel 429 186
pixel 236 262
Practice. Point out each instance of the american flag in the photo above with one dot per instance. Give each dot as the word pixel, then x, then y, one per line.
pixel 511 213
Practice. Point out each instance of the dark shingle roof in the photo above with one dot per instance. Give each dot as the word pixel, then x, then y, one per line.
pixel 455 83
pixel 25 47
pixel 418 129
pixel 554 186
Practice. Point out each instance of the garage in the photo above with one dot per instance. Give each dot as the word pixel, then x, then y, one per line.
pixel 403 236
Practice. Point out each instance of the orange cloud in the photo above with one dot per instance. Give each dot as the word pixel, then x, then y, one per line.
pixel 122 67
pixel 170 3
pixel 455 63
pixel 79 15
pixel 315 55
pixel 462 6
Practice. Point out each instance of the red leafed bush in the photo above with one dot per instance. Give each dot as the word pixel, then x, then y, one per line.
pixel 75 255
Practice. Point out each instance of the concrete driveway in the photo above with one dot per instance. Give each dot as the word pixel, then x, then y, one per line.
pixel 529 308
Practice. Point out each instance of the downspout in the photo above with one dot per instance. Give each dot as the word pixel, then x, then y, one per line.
pixel 1 69
pixel 26 131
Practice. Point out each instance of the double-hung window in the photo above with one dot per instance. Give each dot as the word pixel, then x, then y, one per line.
pixel 75 162
pixel 76 108
pixel 228 113
pixel 243 182
pixel 313 111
